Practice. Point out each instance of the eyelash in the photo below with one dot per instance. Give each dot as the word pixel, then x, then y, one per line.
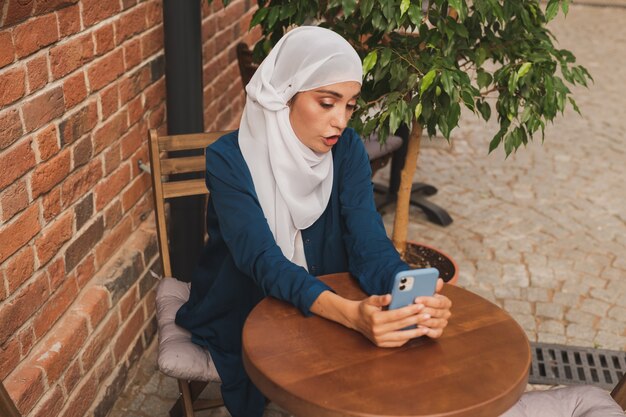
pixel 351 107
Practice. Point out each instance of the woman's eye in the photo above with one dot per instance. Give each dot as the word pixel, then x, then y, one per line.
pixel 351 107
pixel 326 105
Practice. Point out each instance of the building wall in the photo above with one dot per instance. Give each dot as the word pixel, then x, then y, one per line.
pixel 81 82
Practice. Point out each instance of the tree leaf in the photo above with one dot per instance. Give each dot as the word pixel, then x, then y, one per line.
pixel 273 16
pixel 574 105
pixel 523 70
pixel 485 109
pixel 385 57
pixel 446 80
pixel 565 6
pixel 348 6
pixel 483 78
pixel 366 7
pixel 427 80
pixel 415 14
pixel 370 61
pixel 259 16
pixel 552 9
pixel 418 110
pixel 404 6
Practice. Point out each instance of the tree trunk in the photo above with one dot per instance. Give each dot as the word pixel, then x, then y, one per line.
pixel 401 221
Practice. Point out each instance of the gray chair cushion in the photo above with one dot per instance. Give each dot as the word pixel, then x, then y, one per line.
pixel 577 401
pixel 374 150
pixel 178 356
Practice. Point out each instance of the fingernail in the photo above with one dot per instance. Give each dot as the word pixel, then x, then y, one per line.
pixel 420 306
pixel 426 316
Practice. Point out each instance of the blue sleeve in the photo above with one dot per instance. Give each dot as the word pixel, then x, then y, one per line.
pixel 248 237
pixel 372 258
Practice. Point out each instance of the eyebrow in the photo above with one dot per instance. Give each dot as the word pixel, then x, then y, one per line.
pixel 334 93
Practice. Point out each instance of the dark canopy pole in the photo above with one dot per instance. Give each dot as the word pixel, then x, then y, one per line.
pixel 183 79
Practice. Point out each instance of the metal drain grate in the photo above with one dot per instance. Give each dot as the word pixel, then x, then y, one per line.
pixel 571 365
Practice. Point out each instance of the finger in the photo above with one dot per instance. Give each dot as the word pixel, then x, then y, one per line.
pixel 434 333
pixel 403 335
pixel 434 323
pixel 379 300
pixel 439 285
pixel 391 316
pixel 400 324
pixel 437 301
pixel 440 313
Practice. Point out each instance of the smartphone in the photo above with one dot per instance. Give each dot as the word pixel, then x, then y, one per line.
pixel 409 285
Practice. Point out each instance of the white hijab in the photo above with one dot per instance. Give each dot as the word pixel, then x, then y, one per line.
pixel 293 183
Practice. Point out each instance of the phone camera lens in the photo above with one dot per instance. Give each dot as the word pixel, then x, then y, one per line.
pixel 403 280
pixel 402 287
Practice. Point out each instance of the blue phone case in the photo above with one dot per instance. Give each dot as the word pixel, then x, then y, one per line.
pixel 408 285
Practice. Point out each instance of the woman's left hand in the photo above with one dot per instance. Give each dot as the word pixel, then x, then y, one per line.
pixel 438 307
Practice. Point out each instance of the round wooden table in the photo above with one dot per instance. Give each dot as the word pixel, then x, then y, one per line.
pixel 313 367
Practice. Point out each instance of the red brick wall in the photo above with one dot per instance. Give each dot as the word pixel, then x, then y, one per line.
pixel 81 82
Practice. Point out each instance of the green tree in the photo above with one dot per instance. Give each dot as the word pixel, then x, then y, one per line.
pixel 423 60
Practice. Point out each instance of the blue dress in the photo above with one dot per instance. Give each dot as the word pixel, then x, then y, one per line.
pixel 242 263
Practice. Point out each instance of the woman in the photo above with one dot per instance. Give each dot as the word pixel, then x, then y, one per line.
pixel 291 198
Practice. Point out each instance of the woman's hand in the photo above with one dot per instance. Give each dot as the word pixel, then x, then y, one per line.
pixel 438 308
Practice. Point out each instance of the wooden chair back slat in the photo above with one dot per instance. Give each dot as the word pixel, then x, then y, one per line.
pixel 182 165
pixel 163 164
pixel 189 141
pixel 184 188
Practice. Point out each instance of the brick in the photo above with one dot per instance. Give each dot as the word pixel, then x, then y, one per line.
pixel 53 237
pixel 99 341
pixel 51 204
pixel 57 351
pixel 137 189
pixel 152 42
pixel 121 276
pixel 37 71
pixel 47 142
pixel 132 54
pixel 69 20
pixel 112 159
pixel 51 404
pixel 25 386
pixel 82 152
pixel 109 101
pixel 154 13
pixel 78 123
pixel 48 174
pixel 131 23
pixel 29 37
pixel 16 234
pixel 45 6
pixel 157 117
pixel 154 95
pixel 128 303
pixel 106 69
pixel 128 334
pixel 14 312
pixel 111 242
pixel 108 189
pixel 94 305
pixel 95 11
pixel 7 52
pixel 104 39
pixel 27 340
pixel 83 211
pixel 16 162
pixel 72 376
pixel 79 248
pixel 10 126
pixel 74 89
pixel 80 182
pixel 135 83
pixel 54 308
pixel 9 357
pixel 79 403
pixel 109 132
pixel 112 215
pixel 68 56
pixel 19 268
pixel 16 12
pixel 113 390
pixel 126 4
pixel 14 199
pixel 85 271
pixel 131 141
pixel 12 85
pixel 56 274
pixel 43 108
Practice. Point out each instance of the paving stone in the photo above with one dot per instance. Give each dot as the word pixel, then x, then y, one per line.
pixel 536 294
pixel 551 338
pixel 576 316
pixel 565 299
pixel 542 276
pixel 612 326
pixel 580 331
pixel 506 291
pixel 606 340
pixel 515 275
pixel 516 306
pixel 549 310
pixel 596 307
pixel 551 326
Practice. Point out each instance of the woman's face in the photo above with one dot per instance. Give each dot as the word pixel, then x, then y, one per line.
pixel 318 117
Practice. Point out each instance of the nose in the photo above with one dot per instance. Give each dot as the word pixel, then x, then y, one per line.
pixel 340 120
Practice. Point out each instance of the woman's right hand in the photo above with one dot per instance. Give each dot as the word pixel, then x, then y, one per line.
pixel 384 327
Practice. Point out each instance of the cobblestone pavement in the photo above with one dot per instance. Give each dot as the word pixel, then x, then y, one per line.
pixel 542 234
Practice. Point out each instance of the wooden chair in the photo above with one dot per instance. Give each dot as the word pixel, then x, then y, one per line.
pixel 178 356
pixel 619 392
